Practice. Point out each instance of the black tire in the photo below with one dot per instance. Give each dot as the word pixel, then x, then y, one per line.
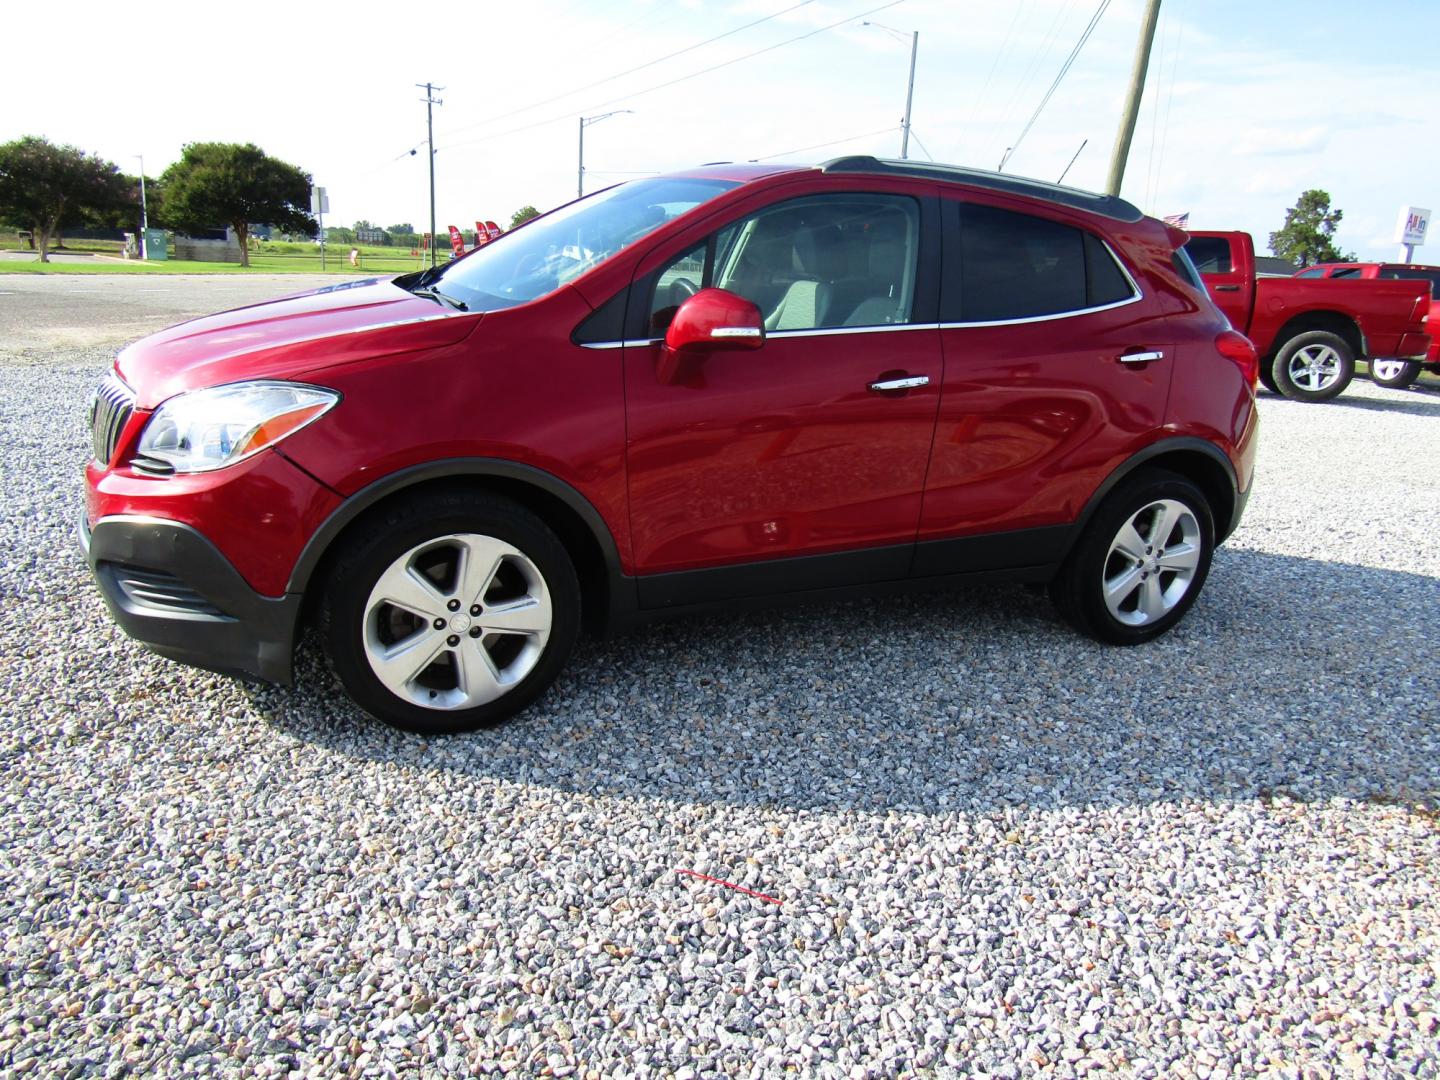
pixel 1293 355
pixel 1403 373
pixel 1078 590
pixel 1267 376
pixel 351 627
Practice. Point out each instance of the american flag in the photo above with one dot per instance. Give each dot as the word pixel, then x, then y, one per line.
pixel 1180 221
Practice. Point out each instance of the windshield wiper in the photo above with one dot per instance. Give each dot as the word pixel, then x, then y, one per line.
pixel 444 298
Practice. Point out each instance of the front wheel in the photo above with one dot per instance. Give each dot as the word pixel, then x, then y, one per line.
pixel 1314 366
pixel 450 612
pixel 1396 374
pixel 1141 562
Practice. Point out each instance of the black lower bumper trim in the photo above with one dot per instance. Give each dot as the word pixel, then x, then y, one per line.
pixel 210 618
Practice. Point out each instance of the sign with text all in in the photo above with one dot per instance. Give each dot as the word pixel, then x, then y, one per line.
pixel 1410 229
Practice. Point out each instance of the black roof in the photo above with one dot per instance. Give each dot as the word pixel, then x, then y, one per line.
pixel 1108 205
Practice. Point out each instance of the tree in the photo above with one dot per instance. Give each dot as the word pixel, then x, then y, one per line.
pixel 524 214
pixel 1306 236
pixel 45 187
pixel 237 185
pixel 405 228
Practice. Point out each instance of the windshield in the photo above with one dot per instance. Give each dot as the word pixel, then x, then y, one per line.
pixel 559 247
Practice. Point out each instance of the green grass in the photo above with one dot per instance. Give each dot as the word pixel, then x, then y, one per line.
pixel 267 257
pixel 259 264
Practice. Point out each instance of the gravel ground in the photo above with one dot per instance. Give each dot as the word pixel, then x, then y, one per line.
pixel 1000 848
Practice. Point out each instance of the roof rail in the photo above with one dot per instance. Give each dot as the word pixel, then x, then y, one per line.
pixel 1108 205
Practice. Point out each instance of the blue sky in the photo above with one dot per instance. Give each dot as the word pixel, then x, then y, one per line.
pixel 1248 103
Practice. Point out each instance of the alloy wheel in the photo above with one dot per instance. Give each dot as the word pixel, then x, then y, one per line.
pixel 1152 562
pixel 1315 367
pixel 457 621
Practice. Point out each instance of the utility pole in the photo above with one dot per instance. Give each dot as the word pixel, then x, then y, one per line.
pixel 430 102
pixel 910 87
pixel 144 215
pixel 909 95
pixel 1121 152
pixel 586 121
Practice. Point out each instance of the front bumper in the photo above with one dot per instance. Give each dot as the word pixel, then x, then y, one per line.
pixel 170 588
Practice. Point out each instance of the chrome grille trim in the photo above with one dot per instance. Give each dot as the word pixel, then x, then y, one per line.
pixel 114 402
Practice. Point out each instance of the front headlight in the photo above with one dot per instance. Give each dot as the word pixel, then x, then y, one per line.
pixel 209 429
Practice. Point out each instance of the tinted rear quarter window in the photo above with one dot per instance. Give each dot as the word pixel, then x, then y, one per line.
pixel 1406 273
pixel 1018 266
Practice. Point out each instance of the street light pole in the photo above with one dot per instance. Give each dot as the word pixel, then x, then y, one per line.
pixel 910 86
pixel 586 121
pixel 909 95
pixel 430 102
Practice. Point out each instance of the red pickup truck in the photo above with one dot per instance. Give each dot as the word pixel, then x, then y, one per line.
pixel 1310 333
pixel 1393 372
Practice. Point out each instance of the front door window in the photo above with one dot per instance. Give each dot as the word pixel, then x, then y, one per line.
pixel 822 262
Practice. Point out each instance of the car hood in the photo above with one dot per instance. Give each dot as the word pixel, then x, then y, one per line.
pixel 284 338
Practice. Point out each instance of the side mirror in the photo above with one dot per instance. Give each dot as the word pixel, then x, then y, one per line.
pixel 714 319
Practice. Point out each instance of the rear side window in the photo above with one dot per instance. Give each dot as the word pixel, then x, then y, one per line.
pixel 1345 271
pixel 1016 266
pixel 1210 254
pixel 1313 272
pixel 1408 273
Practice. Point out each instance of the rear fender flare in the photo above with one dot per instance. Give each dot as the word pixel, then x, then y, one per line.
pixel 1181 443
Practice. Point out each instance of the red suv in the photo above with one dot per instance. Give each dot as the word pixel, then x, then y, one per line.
pixel 716 388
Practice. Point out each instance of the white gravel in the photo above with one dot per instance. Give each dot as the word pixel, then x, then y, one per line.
pixel 1001 849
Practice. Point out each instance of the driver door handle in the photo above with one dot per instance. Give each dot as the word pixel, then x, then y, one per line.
pixel 1140 357
pixel 908 383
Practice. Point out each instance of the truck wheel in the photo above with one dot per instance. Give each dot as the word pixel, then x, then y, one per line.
pixel 1141 562
pixel 1267 377
pixel 449 612
pixel 1314 366
pixel 1396 374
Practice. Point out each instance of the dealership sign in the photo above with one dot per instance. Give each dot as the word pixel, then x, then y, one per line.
pixel 1410 229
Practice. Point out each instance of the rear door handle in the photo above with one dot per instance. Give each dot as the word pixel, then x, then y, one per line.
pixel 1140 357
pixel 909 383
pixel 1227 288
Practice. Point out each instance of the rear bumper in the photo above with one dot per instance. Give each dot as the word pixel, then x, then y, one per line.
pixel 170 588
pixel 1413 346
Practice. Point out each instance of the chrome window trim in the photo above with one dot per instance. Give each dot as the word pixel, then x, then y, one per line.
pixel 639 342
pixel 825 331
pixel 1043 318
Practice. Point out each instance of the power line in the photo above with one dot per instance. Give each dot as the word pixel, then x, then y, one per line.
pixel 921 144
pixel 1041 55
pixel 627 71
pixel 832 142
pixel 1064 68
pixel 995 62
pixel 672 82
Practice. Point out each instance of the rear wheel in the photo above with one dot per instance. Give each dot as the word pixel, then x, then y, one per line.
pixel 450 612
pixel 1142 561
pixel 1267 377
pixel 1396 374
pixel 1314 366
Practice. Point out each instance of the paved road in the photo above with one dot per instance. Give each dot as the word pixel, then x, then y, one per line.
pixel 56 311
